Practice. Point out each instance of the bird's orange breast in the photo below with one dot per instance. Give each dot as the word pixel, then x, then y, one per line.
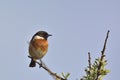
pixel 38 48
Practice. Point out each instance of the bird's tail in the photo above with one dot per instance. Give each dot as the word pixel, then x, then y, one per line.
pixel 32 63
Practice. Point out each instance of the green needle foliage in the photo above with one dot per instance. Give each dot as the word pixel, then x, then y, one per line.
pixel 65 76
pixel 92 71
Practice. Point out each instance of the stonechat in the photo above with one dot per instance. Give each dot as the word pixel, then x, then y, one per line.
pixel 38 46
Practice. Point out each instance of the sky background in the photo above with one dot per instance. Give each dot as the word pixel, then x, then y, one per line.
pixel 77 26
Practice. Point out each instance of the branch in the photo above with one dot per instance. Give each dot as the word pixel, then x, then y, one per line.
pixel 97 70
pixel 89 60
pixel 48 70
pixel 102 56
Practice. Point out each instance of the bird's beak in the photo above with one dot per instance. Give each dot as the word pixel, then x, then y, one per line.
pixel 49 35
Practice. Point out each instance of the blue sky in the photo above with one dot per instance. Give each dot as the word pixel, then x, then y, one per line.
pixel 77 26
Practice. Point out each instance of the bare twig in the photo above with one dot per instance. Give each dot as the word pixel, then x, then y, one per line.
pixel 89 60
pixel 102 56
pixel 48 70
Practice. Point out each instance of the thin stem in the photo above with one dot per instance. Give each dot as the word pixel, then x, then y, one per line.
pixel 48 70
pixel 102 56
pixel 89 60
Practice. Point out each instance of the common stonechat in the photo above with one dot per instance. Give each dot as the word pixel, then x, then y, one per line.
pixel 38 46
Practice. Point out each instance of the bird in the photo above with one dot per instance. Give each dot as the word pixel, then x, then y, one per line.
pixel 38 46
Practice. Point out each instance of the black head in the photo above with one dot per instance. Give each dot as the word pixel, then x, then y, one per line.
pixel 43 34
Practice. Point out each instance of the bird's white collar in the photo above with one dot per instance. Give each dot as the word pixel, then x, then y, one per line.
pixel 38 37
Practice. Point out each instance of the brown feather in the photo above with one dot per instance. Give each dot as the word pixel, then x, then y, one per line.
pixel 38 48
